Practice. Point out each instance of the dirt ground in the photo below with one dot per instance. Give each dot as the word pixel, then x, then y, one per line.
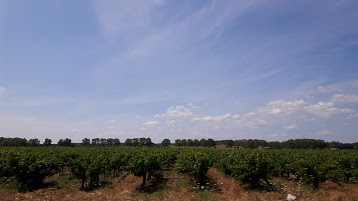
pixel 174 187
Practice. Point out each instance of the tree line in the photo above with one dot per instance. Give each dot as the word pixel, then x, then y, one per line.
pixel 147 142
pixel 289 144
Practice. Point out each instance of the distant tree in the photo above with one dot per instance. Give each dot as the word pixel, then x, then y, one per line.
pixel 228 143
pixel 103 142
pixel 86 142
pixel 13 141
pixel 334 145
pixel 95 141
pixel 184 142
pixel 196 143
pixel 178 143
pixel 136 142
pixel 33 142
pixel 142 142
pixel 128 142
pixel 60 142
pixel 210 143
pixel 47 142
pixel 355 145
pixel 274 145
pixel 149 142
pixel 190 143
pixel 165 143
pixel 202 142
pixel 110 142
pixel 116 142
pixel 66 142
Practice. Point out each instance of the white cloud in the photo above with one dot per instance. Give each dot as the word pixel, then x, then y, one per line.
pixel 328 89
pixel 250 114
pixel 110 121
pixel 326 109
pixel 290 127
pixel 75 130
pixel 344 98
pixel 324 132
pixel 282 107
pixel 151 123
pixel 179 111
pixel 257 123
pixel 170 122
pixel 222 118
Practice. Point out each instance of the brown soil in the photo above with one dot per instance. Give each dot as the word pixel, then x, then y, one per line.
pixel 178 188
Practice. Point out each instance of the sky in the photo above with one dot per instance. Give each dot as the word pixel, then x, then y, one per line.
pixel 220 69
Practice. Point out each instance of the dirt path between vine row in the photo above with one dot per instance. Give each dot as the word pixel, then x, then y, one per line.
pixel 176 188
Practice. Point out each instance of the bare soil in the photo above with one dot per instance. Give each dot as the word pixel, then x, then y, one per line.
pixel 174 187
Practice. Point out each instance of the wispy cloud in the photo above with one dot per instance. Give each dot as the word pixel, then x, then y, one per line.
pixel 110 121
pixel 151 123
pixel 322 109
pixel 290 127
pixel 179 111
pixel 221 118
pixel 344 98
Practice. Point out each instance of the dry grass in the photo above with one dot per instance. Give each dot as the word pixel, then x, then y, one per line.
pixel 179 188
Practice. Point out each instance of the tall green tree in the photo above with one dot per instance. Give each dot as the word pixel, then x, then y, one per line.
pixel 86 142
pixel 165 143
pixel 47 142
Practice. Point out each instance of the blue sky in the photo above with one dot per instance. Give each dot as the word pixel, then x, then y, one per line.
pixel 272 70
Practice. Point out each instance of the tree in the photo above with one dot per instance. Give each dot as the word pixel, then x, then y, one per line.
pixel 47 142
pixel 274 145
pixel 103 142
pixel 228 143
pixel 116 142
pixel 86 142
pixel 196 142
pixel 142 141
pixel 355 145
pixel 136 142
pixel 128 142
pixel 95 141
pixel 190 143
pixel 149 142
pixel 165 143
pixel 66 142
pixel 178 143
pixel 202 142
pixel 33 142
pixel 60 142
pixel 211 143
pixel 110 142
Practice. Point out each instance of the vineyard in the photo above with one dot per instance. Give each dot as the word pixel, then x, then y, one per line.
pixel 28 168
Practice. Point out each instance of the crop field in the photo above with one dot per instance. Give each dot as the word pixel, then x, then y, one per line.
pixel 123 173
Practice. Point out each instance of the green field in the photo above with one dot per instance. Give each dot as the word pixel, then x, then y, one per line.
pixel 29 167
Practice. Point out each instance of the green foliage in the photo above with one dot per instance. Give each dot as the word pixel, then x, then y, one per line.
pixel 165 143
pixel 193 163
pixel 30 166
